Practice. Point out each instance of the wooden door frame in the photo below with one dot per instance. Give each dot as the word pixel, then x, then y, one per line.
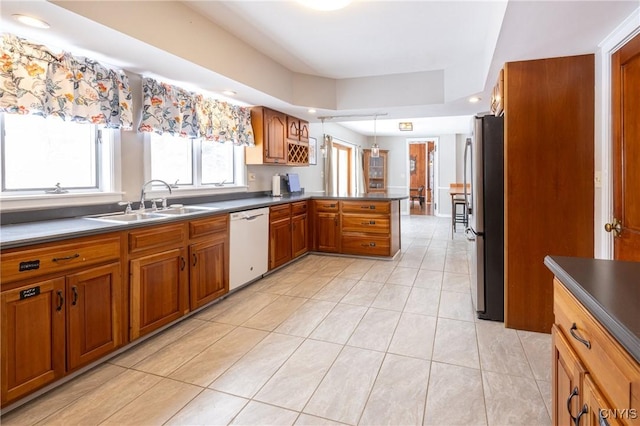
pixel 603 243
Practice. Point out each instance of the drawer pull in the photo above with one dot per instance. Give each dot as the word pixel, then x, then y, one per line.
pixel 74 290
pixel 60 301
pixel 585 342
pixel 60 259
pixel 371 222
pixel 574 393
pixel 368 207
pixel 372 244
pixel 585 410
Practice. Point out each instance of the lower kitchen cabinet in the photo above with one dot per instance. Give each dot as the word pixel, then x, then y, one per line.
pixel 158 290
pixel 279 235
pixel 159 277
pixel 52 327
pixel 595 381
pixel 326 224
pixel 209 259
pixel 299 232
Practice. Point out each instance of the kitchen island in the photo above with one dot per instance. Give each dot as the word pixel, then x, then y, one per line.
pixel 596 341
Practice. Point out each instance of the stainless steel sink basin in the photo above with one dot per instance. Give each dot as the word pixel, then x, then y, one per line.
pixel 150 215
pixel 128 217
pixel 177 211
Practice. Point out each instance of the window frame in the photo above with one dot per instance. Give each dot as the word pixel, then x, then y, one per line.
pixel 106 165
pixel 197 187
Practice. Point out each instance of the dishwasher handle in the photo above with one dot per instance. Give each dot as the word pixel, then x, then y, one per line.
pixel 255 216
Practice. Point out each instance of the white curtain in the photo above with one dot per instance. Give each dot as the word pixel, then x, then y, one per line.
pixel 328 164
pixel 359 171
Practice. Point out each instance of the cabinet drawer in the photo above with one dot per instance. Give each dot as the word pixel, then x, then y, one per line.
pixel 156 237
pixel 325 205
pixel 378 225
pixel 23 264
pixel 282 211
pixel 208 226
pixel 299 207
pixel 367 245
pixel 365 207
pixel 616 374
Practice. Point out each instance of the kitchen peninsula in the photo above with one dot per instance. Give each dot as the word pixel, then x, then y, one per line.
pixel 89 288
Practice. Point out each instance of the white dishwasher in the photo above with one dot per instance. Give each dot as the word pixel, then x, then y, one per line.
pixel 249 246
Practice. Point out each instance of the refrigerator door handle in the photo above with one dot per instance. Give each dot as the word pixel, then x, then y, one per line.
pixel 468 159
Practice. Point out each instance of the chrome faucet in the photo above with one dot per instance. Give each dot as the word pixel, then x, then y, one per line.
pixel 144 185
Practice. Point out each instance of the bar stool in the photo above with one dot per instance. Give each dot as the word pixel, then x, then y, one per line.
pixel 458 213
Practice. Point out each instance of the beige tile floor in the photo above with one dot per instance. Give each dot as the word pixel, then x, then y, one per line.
pixel 326 340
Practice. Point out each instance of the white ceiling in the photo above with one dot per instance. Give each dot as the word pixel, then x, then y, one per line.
pixel 370 58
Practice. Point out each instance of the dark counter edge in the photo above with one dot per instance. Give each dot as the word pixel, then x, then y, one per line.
pixel 104 227
pixel 621 333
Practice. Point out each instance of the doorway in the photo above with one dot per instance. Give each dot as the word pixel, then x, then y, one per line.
pixel 421 177
pixel 625 80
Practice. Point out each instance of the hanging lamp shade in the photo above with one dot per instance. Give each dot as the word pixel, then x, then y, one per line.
pixel 375 149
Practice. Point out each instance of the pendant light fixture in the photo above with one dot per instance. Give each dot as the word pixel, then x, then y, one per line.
pixel 375 149
pixel 323 147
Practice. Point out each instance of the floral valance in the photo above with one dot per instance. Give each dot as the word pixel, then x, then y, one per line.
pixel 173 110
pixel 33 80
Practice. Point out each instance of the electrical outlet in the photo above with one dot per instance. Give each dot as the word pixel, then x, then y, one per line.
pixel 598 179
pixel 252 177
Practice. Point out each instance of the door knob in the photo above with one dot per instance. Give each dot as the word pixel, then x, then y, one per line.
pixel 615 227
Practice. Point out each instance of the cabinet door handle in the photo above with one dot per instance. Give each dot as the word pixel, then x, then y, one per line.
pixel 60 301
pixel 585 410
pixel 183 263
pixel 74 300
pixel 59 259
pixel 574 393
pixel 195 259
pixel 585 342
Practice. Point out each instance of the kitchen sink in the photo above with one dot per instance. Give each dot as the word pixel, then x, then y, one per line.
pixel 150 215
pixel 128 217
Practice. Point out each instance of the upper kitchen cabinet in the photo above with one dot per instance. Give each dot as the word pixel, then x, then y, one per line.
pixel 297 130
pixel 279 139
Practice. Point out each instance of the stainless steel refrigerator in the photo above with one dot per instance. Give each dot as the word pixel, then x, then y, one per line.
pixel 484 169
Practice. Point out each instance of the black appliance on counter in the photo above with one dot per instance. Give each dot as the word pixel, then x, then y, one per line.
pixel 484 169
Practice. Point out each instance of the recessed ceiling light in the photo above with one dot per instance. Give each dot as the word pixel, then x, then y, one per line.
pixel 475 99
pixel 31 21
pixel 311 111
pixel 229 93
pixel 325 4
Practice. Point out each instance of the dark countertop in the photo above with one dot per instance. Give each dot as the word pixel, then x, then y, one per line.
pixel 609 290
pixel 23 234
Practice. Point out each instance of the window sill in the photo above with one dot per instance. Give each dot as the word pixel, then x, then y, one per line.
pixel 38 201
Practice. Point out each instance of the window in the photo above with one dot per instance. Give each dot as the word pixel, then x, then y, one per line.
pixel 194 162
pixel 38 153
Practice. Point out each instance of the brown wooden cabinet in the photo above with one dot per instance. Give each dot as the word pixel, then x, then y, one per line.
pixel 279 139
pixel 593 375
pixel 548 170
pixel 209 259
pixel 326 226
pixel 375 171
pixel 279 235
pixel 299 228
pixel 61 313
pixel 158 277
pixel 367 228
